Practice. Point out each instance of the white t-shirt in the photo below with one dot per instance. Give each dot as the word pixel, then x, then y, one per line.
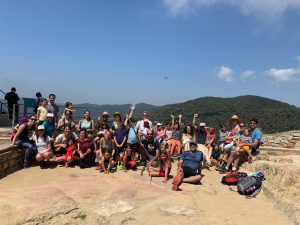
pixel 41 143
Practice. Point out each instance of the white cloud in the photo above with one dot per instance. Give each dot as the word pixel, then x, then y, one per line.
pixel 247 74
pixel 225 74
pixel 283 75
pixel 260 8
pixel 297 58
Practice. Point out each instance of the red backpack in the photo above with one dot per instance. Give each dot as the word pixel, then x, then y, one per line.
pixel 233 178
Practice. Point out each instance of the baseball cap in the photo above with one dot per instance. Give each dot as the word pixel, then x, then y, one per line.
pixel 41 127
pixel 50 115
pixel 117 114
pixel 234 117
pixel 202 125
pixel 158 124
pixel 193 143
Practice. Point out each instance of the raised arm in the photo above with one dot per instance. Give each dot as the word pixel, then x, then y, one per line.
pixel 194 119
pixel 180 119
pixel 173 120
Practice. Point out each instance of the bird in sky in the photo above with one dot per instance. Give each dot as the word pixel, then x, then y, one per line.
pixel 165 77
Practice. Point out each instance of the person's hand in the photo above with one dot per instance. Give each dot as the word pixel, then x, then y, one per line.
pixel 180 116
pixel 172 116
pixel 127 116
pixel 196 115
pixel 81 155
pixel 11 145
pixel 132 107
pixel 99 118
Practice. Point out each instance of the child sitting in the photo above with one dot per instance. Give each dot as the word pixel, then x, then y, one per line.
pixel 69 156
pixel 243 141
pixel 128 159
pixel 107 163
pixel 164 167
pixel 216 155
pixel 68 108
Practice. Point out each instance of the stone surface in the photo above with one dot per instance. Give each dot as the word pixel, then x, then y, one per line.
pixel 74 196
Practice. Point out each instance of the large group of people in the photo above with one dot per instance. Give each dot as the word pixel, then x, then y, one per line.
pixel 121 144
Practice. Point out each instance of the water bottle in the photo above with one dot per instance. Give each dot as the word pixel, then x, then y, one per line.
pixel 250 190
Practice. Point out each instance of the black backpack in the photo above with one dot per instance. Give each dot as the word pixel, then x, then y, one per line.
pixel 250 186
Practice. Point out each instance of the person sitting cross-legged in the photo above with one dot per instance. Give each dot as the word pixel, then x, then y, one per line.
pixel 189 167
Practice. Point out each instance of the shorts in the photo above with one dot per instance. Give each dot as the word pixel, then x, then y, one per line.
pixel 188 172
pixel 246 148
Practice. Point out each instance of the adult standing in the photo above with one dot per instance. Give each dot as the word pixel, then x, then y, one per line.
pixel 12 99
pixel 86 123
pixel 66 120
pixel 21 139
pixel 140 124
pixel 52 107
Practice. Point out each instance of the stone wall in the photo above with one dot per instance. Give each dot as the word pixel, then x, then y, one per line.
pixel 10 161
pixel 290 139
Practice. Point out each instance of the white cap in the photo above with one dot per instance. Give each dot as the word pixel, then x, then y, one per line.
pixel 202 125
pixel 50 115
pixel 158 124
pixel 41 127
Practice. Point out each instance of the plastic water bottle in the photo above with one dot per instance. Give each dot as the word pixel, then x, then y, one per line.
pixel 250 190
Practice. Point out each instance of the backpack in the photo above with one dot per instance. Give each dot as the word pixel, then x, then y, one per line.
pixel 250 186
pixel 233 178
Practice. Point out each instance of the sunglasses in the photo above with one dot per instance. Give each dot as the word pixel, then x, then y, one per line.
pixel 242 125
pixel 145 115
pixel 33 119
pixel 252 123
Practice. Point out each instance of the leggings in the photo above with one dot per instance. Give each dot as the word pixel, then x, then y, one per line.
pixel 175 143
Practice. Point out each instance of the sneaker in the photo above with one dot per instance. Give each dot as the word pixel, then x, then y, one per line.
pixel 124 170
pixel 101 170
pixel 98 167
pixel 142 163
pixel 120 167
pixel 111 170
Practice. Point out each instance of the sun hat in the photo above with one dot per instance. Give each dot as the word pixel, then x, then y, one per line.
pixel 116 114
pixel 158 124
pixel 202 125
pixel 41 127
pixel 104 113
pixel 50 115
pixel 234 117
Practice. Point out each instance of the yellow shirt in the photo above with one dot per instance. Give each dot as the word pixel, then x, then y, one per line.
pixel 42 111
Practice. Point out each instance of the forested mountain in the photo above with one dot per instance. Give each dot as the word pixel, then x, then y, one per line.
pixel 274 116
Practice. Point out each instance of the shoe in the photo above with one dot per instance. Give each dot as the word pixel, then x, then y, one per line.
pixel 142 163
pixel 120 167
pixel 98 167
pixel 101 170
pixel 177 181
pixel 42 165
pixel 124 170
pixel 111 170
pixel 222 170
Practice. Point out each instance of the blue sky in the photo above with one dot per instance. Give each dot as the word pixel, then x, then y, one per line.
pixel 115 52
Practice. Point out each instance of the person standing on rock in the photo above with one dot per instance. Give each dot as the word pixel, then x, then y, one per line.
pixel 52 107
pixel 189 167
pixel 12 99
pixel 140 124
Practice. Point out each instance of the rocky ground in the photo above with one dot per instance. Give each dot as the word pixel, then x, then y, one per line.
pixel 74 196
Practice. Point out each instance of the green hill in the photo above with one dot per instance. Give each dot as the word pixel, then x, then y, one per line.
pixel 274 116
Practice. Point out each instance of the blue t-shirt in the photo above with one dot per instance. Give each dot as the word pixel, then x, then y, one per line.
pixel 120 134
pixel 132 136
pixel 192 159
pixel 256 134
pixel 49 128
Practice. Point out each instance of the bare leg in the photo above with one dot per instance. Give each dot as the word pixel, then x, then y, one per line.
pixel 192 179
